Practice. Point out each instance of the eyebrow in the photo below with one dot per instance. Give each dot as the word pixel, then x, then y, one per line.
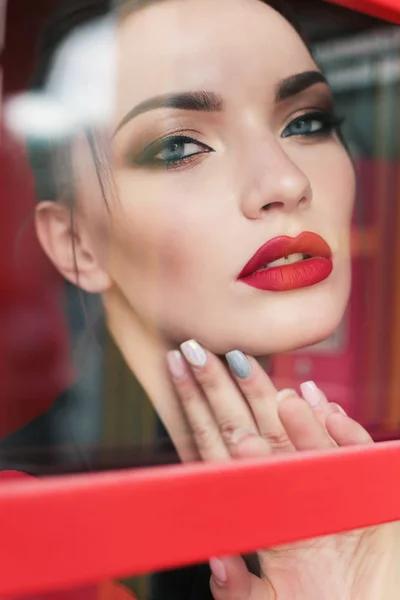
pixel 202 101
pixel 198 101
pixel 295 84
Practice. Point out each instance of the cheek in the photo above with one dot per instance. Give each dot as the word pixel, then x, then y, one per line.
pixel 343 181
pixel 333 183
pixel 343 190
pixel 341 176
pixel 155 238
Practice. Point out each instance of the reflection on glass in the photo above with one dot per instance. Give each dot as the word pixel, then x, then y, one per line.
pixel 215 227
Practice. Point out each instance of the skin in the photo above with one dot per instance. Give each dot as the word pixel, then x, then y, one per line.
pixel 165 253
pixel 252 420
pixel 178 238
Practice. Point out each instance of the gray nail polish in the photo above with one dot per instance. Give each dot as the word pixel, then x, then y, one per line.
pixel 238 363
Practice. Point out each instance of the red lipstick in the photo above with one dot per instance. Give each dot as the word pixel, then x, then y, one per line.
pixel 303 261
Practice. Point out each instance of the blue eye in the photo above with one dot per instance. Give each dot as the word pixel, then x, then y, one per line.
pixel 312 124
pixel 172 151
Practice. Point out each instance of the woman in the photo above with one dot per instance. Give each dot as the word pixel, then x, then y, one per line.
pixel 204 191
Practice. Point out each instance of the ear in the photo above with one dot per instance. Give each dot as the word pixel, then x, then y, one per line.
pixel 67 248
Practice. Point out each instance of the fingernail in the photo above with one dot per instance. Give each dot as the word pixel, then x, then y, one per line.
pixel 194 353
pixel 311 393
pixel 176 364
pixel 239 363
pixel 283 394
pixel 218 570
pixel 239 435
pixel 339 408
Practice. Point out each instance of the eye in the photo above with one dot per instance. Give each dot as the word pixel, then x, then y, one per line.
pixel 313 124
pixel 172 151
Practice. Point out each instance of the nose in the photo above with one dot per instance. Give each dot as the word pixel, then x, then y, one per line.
pixel 275 183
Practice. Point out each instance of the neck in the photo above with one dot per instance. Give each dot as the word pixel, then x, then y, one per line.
pixel 145 354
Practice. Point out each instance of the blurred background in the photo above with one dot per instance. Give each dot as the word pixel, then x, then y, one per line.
pixel 67 400
pixel 59 370
pixel 359 365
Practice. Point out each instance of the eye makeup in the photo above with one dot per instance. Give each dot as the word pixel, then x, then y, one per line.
pixel 172 151
pixel 314 123
pixel 170 141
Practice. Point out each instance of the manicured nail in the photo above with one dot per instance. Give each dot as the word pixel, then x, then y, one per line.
pixel 239 434
pixel 176 364
pixel 239 363
pixel 311 393
pixel 218 570
pixel 283 394
pixel 339 408
pixel 194 353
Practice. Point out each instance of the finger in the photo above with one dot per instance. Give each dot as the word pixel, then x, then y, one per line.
pixel 303 427
pixel 260 393
pixel 345 431
pixel 227 403
pixel 201 420
pixel 319 403
pixel 246 444
pixel 316 399
pixel 231 580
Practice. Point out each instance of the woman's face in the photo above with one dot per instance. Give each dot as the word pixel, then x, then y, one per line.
pixel 223 140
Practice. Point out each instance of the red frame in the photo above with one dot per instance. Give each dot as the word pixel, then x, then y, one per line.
pixel 387 10
pixel 70 531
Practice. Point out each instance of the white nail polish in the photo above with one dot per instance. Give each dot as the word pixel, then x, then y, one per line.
pixel 194 353
pixel 311 393
pixel 218 570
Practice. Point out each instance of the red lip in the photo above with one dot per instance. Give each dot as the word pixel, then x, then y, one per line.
pixel 292 276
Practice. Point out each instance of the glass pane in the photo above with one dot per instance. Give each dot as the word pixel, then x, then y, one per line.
pixel 173 172
pixel 357 365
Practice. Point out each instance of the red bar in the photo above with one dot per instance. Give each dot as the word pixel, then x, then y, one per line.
pixel 63 532
pixel 388 10
pixel 83 529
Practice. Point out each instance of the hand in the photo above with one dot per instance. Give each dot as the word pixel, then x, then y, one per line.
pixel 241 415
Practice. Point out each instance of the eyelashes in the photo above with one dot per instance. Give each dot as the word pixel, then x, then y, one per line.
pixel 178 150
pixel 172 151
pixel 316 123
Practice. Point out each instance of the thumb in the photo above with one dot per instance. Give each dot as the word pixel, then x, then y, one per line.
pixel 231 580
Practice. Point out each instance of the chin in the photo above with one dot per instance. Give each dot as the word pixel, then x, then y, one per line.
pixel 288 341
pixel 279 328
pixel 264 339
pixel 287 337
pixel 270 324
pixel 291 323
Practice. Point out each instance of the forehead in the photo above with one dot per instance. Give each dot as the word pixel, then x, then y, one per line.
pixel 219 45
